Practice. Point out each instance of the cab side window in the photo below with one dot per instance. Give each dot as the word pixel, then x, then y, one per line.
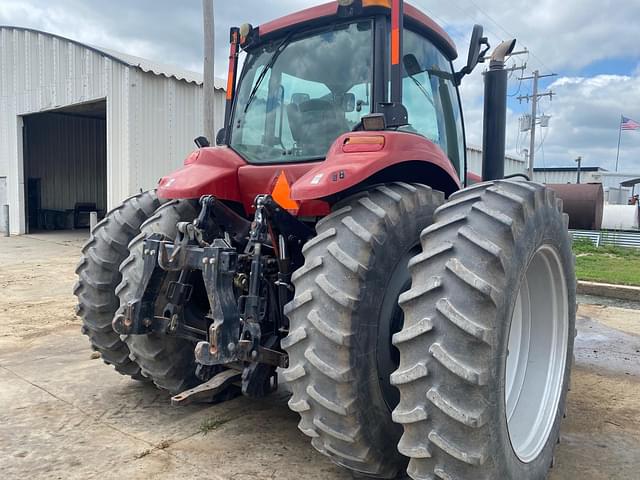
pixel 431 98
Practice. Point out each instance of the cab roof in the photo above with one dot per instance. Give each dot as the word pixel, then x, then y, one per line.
pixel 328 12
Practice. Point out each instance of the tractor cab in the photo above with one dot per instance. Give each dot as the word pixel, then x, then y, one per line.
pixel 305 85
pixel 332 99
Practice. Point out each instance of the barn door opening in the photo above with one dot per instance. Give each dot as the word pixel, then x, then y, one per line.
pixel 65 166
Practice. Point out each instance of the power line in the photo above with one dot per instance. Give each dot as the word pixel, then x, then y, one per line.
pixel 513 69
pixel 442 21
pixel 542 140
pixel 509 34
pixel 465 13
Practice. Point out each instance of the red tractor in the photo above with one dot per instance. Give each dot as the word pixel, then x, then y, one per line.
pixel 423 318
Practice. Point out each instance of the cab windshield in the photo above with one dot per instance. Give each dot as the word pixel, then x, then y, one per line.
pixel 298 95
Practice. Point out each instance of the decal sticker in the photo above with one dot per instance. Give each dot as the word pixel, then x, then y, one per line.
pixel 316 180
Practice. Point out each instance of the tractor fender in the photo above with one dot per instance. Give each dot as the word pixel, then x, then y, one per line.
pixel 345 168
pixel 211 171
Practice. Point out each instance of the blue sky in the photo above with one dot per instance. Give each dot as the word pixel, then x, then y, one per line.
pixel 580 40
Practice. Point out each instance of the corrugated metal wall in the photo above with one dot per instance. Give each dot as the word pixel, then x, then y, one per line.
pixel 151 119
pixel 165 117
pixel 559 176
pixel 68 153
pixel 614 179
pixel 608 179
pixel 511 164
pixel 3 191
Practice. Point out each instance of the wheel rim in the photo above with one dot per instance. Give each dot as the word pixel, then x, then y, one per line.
pixel 537 354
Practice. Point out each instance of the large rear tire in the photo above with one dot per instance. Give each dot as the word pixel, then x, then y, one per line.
pixel 167 360
pixel 342 317
pixel 99 275
pixel 487 343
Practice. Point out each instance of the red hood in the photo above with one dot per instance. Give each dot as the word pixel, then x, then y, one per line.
pixel 221 172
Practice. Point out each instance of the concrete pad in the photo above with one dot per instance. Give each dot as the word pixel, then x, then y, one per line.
pixel 42 436
pixel 600 437
pixel 132 406
pixel 36 281
pixel 79 417
pixel 604 349
pixel 81 402
pixel 261 442
pixel 64 415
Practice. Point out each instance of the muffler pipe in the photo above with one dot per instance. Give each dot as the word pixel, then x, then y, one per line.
pixel 495 113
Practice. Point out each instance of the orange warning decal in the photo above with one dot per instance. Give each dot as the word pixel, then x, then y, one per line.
pixel 282 193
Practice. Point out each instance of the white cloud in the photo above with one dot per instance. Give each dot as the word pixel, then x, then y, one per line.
pixel 586 121
pixel 564 36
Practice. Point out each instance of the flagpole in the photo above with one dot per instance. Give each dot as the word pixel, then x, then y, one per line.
pixel 619 138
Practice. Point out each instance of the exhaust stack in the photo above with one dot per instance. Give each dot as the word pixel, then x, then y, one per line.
pixel 495 113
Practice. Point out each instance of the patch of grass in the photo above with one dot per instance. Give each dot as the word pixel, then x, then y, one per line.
pixel 607 264
pixel 212 423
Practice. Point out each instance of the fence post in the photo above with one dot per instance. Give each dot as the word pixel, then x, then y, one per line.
pixel 5 222
pixel 93 221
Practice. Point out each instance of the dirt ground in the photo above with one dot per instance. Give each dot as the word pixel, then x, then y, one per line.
pixel 65 415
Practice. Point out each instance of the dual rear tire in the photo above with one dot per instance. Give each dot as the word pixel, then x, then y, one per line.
pixel 99 275
pixel 485 343
pixel 166 360
pixel 342 317
pixel 108 272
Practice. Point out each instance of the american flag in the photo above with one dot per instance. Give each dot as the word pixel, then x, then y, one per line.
pixel 628 124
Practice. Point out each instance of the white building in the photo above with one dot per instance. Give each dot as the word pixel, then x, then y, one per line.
pixel 512 164
pixel 615 192
pixel 555 175
pixel 81 124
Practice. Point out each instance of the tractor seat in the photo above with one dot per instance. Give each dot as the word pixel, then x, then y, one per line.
pixel 315 124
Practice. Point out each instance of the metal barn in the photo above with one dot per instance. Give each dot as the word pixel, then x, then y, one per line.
pixel 83 127
pixel 512 164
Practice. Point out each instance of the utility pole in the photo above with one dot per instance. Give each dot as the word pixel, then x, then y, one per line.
pixel 579 161
pixel 534 97
pixel 209 89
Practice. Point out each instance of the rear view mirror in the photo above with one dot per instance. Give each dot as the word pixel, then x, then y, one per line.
pixel 474 48
pixel 411 65
pixel 221 136
pixel 349 102
pixel 476 54
pixel 202 142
